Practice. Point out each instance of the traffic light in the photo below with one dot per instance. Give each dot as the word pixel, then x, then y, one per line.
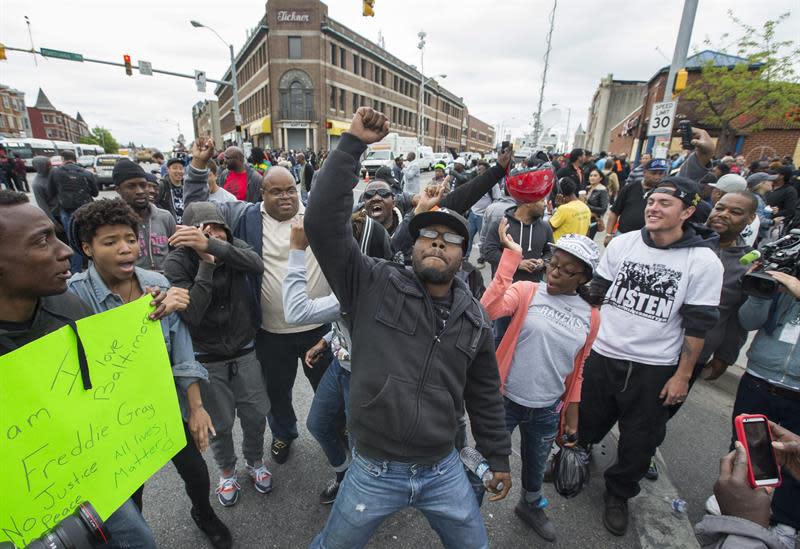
pixel 369 8
pixel 128 68
pixel 680 81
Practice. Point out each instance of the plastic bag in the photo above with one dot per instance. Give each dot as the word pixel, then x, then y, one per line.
pixel 570 470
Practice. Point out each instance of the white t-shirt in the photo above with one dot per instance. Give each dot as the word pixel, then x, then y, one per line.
pixel 641 311
pixel 221 196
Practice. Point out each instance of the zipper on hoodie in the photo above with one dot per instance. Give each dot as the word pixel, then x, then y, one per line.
pixel 425 369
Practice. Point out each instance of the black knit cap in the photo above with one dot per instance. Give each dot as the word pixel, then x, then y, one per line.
pixel 124 170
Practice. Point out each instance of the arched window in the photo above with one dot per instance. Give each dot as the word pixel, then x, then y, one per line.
pixel 297 95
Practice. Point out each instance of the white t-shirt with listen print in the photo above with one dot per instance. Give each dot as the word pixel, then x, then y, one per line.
pixel 641 310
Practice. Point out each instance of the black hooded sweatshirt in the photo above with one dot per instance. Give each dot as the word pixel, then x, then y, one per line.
pixel 533 238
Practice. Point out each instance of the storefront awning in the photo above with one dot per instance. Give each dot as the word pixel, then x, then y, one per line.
pixel 337 128
pixel 262 125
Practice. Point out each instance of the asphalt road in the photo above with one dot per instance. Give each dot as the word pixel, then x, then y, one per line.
pixel 291 516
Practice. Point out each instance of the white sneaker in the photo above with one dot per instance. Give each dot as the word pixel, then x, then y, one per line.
pixel 261 477
pixel 786 534
pixel 712 506
pixel 228 491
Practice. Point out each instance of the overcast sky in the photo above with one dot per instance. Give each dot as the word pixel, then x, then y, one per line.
pixel 492 52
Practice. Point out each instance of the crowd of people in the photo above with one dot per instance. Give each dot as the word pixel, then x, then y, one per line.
pixel 260 266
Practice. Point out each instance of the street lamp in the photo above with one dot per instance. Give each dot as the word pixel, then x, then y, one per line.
pixel 569 116
pixel 237 117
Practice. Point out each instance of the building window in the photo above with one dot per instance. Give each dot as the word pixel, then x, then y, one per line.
pixel 343 58
pixel 332 104
pixel 355 103
pixel 296 92
pixel 334 56
pixel 356 64
pixel 342 100
pixel 364 68
pixel 6 103
pixel 295 48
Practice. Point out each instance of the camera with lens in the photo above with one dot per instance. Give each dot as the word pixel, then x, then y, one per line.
pixel 781 255
pixel 81 530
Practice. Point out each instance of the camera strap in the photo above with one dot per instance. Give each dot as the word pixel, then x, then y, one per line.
pixel 82 362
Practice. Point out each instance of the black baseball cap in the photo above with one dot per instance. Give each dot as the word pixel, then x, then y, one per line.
pixel 384 173
pixel 174 160
pixel 441 216
pixel 785 171
pixel 686 190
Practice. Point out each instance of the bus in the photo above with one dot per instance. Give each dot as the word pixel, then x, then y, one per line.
pixel 88 150
pixel 39 147
pixel 62 146
pixel 18 146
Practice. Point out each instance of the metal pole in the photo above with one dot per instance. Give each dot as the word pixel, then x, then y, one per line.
pixel 237 117
pixel 681 45
pixel 421 117
pixel 569 116
pixel 537 123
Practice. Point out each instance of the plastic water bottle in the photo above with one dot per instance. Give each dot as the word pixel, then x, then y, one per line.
pixel 475 462
pixel 678 505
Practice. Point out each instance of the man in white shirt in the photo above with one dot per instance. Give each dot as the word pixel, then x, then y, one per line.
pixel 411 174
pixel 660 289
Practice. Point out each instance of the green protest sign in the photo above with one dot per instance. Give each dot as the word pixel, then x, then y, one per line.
pixel 61 445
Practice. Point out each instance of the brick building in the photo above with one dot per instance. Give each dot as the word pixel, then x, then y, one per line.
pixel 479 135
pixel 205 119
pixel 13 115
pixel 47 122
pixel 630 134
pixel 302 75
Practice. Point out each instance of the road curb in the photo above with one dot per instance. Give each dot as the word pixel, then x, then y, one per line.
pixel 654 521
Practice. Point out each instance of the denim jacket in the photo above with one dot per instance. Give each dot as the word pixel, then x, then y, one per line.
pixel 771 357
pixel 185 369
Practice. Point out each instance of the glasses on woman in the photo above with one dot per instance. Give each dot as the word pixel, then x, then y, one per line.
pixel 555 267
pixel 383 193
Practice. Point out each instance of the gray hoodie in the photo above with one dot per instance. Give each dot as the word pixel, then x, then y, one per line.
pixel 41 192
pixel 727 532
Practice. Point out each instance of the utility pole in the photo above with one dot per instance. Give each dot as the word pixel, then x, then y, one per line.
pixel 680 53
pixel 537 120
pixel 421 114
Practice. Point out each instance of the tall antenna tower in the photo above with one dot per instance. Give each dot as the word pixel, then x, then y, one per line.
pixel 537 119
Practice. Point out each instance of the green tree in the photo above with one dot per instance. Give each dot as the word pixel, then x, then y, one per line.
pixel 103 137
pixel 744 98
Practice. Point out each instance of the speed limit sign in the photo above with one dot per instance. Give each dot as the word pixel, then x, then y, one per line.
pixel 661 119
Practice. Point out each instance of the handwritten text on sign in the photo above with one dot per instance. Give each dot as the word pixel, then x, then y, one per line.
pixel 61 445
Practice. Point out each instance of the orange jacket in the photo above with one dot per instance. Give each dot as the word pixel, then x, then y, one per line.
pixel 502 298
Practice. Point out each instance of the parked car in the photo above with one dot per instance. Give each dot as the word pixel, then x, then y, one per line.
pixel 87 161
pixel 442 158
pixel 104 167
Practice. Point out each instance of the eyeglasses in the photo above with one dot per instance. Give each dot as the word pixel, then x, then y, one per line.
pixel 281 193
pixel 383 193
pixel 555 267
pixel 450 238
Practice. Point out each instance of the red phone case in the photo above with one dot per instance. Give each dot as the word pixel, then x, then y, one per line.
pixel 740 435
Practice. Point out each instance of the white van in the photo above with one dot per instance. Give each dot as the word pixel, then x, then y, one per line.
pixel 425 158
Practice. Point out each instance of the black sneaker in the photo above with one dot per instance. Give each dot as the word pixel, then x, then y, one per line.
pixel 280 450
pixel 652 471
pixel 615 516
pixel 216 531
pixel 328 495
pixel 534 516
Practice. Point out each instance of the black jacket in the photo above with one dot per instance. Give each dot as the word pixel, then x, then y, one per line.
pixel 52 313
pixel 408 385
pixel 533 238
pixel 569 171
pixel 219 316
pixel 785 199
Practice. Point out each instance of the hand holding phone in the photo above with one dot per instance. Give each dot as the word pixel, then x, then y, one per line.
pixel 735 495
pixel 752 430
pixel 685 129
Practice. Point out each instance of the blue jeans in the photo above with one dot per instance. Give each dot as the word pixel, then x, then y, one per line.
pixel 538 428
pixel 325 416
pixel 373 490
pixel 76 261
pixel 753 397
pixel 128 529
pixel 475 223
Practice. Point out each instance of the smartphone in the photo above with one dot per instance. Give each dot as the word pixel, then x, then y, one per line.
pixel 685 128
pixel 504 145
pixel 752 430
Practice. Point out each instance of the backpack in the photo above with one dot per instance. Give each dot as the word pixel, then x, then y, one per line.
pixel 73 186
